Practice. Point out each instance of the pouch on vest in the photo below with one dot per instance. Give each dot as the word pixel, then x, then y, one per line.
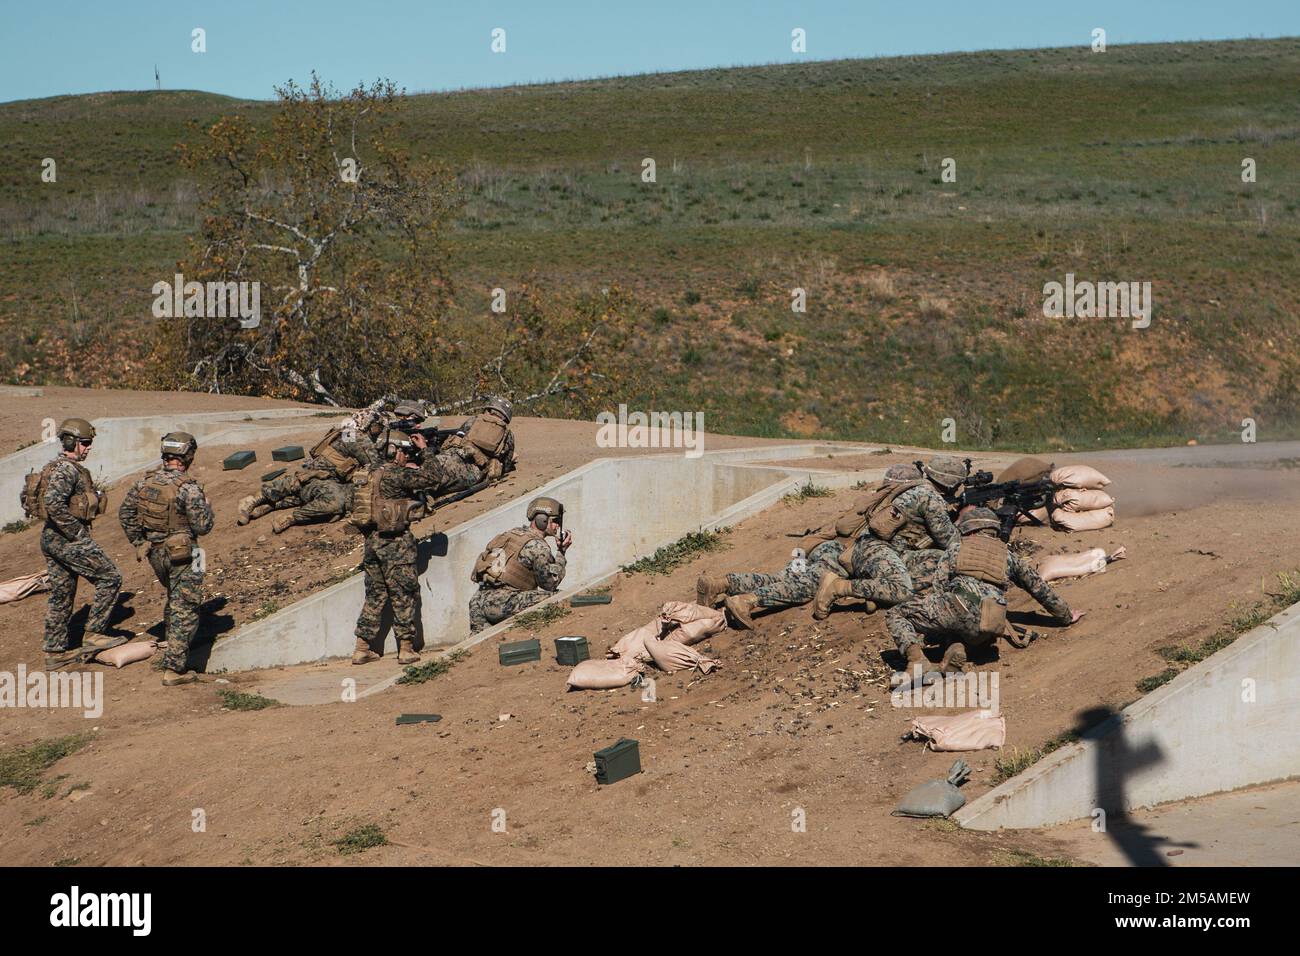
pixel 343 465
pixel 156 506
pixel 883 519
pixel 982 558
pixel 393 515
pixel 499 563
pixel 993 619
pixel 850 525
pixel 179 546
pixel 364 499
pixel 33 493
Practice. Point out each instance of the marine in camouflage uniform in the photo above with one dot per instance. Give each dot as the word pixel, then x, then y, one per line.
pixel 952 608
pixel 494 601
pixel 389 559
pixel 71 553
pixel 182 579
pixel 796 584
pixel 479 465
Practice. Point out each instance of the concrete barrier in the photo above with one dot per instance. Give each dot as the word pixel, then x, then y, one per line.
pixel 618 509
pixel 1229 722
pixel 127 445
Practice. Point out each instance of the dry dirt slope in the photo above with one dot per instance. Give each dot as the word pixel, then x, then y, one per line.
pixel 795 719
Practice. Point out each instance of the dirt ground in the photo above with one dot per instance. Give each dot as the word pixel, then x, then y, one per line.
pixel 798 718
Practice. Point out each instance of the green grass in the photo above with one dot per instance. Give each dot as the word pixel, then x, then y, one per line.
pixel 360 839
pixel 682 551
pixel 238 700
pixel 265 609
pixel 807 490
pixel 541 617
pixel 428 670
pixel 1026 858
pixel 23 768
pixel 1016 760
pixel 13 527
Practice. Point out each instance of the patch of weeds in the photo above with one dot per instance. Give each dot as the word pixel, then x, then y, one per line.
pixel 360 839
pixel 13 527
pixel 68 861
pixel 592 592
pixel 943 825
pixel 84 785
pixel 419 673
pixel 883 451
pixel 1026 858
pixel 238 700
pixel 24 767
pixel 50 789
pixel 1015 760
pixel 266 610
pixel 37 821
pixel 682 551
pixel 548 614
pixel 807 490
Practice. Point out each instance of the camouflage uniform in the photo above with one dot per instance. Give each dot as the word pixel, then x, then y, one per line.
pixel 315 491
pixel 492 604
pixel 459 473
pixel 473 473
pixel 882 571
pixel 389 561
pixel 70 552
pixel 953 606
pixel 790 587
pixel 181 580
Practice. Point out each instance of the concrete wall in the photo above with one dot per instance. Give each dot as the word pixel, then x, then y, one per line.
pixel 1198 734
pixel 127 445
pixel 618 509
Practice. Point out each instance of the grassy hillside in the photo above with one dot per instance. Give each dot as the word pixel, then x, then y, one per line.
pixel 924 296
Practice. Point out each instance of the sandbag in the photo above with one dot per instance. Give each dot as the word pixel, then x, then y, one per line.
pixel 672 656
pixel 15 589
pixel 934 798
pixel 632 644
pixel 1039 513
pixel 972 730
pixel 1082 499
pixel 603 675
pixel 1092 561
pixel 1024 469
pixel 127 653
pixel 694 622
pixel 1079 476
pixel 1083 520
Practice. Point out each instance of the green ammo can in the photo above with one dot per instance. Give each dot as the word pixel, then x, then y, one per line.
pixel 520 652
pixel 571 650
pixel 617 761
pixel 240 459
pixel 287 453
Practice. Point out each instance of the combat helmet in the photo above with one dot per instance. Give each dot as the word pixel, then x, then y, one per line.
pixel 977 519
pixel 74 430
pixel 180 445
pixel 545 506
pixel 946 472
pixel 501 406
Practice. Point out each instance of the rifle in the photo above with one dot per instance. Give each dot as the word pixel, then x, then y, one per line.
pixel 434 435
pixel 1014 498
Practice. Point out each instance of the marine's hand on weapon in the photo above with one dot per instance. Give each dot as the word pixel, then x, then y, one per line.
pixel 418 439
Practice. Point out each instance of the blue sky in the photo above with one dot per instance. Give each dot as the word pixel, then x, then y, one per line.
pixel 54 48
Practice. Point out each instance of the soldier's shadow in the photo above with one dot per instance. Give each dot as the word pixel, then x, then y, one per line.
pixel 212 625
pixel 121 613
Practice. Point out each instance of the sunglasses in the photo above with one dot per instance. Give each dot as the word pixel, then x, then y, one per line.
pixel 84 442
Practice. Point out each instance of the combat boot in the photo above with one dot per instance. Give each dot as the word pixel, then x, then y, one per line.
pixel 56 659
pixel 252 506
pixel 283 523
pixel 829 589
pixel 915 656
pixel 954 659
pixel 710 589
pixel 739 608
pixel 406 653
pixel 173 678
pixel 363 654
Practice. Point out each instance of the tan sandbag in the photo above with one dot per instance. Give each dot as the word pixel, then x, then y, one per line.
pixel 672 656
pixel 15 589
pixel 1092 561
pixel 972 730
pixel 1083 499
pixel 1083 520
pixel 1024 469
pixel 1039 513
pixel 693 622
pixel 632 644
pixel 602 675
pixel 127 653
pixel 1079 476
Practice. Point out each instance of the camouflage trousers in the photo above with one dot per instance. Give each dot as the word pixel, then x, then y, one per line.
pixel 456 474
pixel 319 499
pixel 946 611
pixel 66 561
pixel 882 575
pixel 797 584
pixel 183 584
pixel 491 606
pixel 394 583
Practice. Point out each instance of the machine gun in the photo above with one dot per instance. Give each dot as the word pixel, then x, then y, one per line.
pixel 1013 498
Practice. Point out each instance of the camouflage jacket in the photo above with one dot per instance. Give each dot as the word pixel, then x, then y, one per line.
pixel 1019 572
pixel 65 480
pixel 507 454
pixel 403 481
pixel 928 524
pixel 191 503
pixel 356 444
pixel 547 566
